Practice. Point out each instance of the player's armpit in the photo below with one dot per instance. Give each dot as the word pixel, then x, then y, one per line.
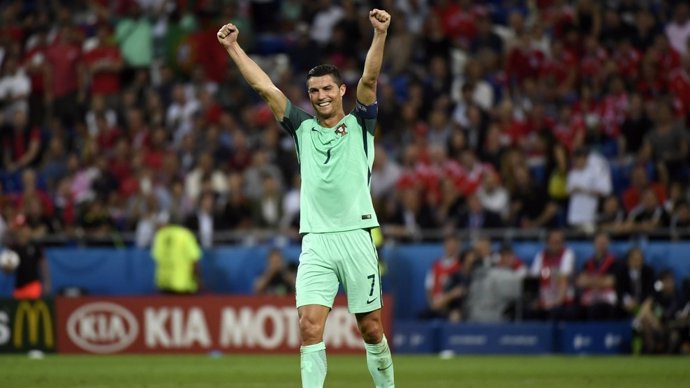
pixel 276 101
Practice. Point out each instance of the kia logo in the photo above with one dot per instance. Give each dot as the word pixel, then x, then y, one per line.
pixel 102 327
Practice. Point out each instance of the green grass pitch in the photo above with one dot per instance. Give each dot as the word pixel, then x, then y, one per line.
pixel 245 371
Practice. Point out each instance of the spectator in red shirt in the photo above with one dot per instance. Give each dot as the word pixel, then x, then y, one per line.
pixel 153 156
pixel 67 81
pixel 560 69
pixel 458 20
pixel 104 64
pixel 639 182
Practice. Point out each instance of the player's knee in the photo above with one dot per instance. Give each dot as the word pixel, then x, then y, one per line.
pixel 372 331
pixel 311 329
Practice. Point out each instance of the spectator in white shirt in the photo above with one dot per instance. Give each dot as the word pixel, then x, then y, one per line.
pixel 324 21
pixel 181 111
pixel 493 195
pixel 588 180
pixel 678 30
pixel 384 175
pixel 15 87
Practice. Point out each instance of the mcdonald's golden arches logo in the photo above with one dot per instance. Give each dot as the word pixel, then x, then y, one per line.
pixel 33 313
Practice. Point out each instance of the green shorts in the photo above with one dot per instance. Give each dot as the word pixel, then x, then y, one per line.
pixel 328 259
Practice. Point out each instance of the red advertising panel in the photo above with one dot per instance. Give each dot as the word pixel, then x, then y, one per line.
pixel 196 324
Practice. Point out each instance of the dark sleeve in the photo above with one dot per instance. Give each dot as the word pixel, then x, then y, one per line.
pixel 366 115
pixel 613 269
pixel 293 118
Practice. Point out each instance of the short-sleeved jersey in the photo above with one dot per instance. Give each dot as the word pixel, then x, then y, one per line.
pixel 335 167
pixel 175 250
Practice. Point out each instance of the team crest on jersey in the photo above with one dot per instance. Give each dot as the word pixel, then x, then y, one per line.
pixel 341 130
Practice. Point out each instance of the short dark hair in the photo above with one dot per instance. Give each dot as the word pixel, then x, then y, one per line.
pixel 326 69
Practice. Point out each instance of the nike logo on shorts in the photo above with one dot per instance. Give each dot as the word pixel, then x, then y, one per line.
pixel 382 369
pixel 371 301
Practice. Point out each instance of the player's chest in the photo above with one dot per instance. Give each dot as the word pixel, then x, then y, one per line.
pixel 329 144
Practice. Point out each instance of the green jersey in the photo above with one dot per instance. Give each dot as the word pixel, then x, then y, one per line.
pixel 335 167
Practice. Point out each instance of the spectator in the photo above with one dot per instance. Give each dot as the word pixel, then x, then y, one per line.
pixel 554 266
pixel 639 182
pixel 67 87
pixel 475 217
pixel 36 66
pixel 31 190
pixel 278 278
pixel 176 254
pixel 676 193
pixel 634 128
pixel 100 110
pixel 384 175
pixel 291 205
pixel 451 302
pixel 32 278
pixel 648 215
pixel 495 290
pixel 661 317
pixel 181 112
pixel 634 282
pixel 21 143
pixel 255 175
pixel 438 277
pixel 493 196
pixel 486 257
pixel 204 223
pixel 96 224
pixel 666 145
pixel 204 171
pixel 530 206
pixel 597 282
pixel 588 180
pixel 237 213
pixel 104 63
pixel 678 30
pixel 134 35
pixel 15 86
pixel 410 217
pixel 679 222
pixel 268 207
pixel 611 219
pixel 326 17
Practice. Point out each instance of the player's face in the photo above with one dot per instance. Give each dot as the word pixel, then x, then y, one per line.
pixel 325 95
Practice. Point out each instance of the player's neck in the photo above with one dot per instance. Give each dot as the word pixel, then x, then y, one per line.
pixel 331 121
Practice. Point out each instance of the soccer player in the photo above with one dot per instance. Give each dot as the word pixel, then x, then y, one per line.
pixel 336 153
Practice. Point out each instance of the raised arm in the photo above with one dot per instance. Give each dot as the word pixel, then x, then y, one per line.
pixel 366 88
pixel 252 73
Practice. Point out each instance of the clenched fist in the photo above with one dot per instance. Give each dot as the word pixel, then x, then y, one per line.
pixel 379 19
pixel 227 34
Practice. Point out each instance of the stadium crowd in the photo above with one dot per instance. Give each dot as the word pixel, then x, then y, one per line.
pixel 523 114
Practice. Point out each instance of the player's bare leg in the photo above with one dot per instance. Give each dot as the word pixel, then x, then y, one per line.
pixel 379 359
pixel 312 321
